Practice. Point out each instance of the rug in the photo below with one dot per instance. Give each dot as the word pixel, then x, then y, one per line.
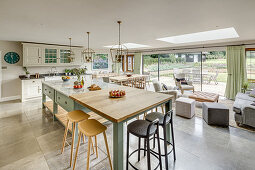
pixel 229 105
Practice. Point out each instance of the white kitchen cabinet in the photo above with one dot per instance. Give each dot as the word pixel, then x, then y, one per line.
pixel 50 55
pixel 31 89
pixel 32 55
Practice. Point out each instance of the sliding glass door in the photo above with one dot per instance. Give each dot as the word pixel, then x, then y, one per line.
pixel 150 66
pixel 180 65
pixel 207 71
pixel 214 72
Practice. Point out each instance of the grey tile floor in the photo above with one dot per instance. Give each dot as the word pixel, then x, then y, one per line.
pixel 29 139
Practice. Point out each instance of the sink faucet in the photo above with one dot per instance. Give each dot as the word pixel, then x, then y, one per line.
pixel 54 72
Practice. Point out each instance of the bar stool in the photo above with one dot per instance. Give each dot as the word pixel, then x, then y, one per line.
pixel 73 117
pixel 90 128
pixel 163 121
pixel 143 129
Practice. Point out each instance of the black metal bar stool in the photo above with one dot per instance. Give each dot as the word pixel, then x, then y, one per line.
pixel 143 129
pixel 163 121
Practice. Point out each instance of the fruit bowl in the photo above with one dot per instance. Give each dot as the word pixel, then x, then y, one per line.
pixel 117 93
pixel 66 78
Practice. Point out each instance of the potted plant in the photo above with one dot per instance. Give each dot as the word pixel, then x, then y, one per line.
pixel 27 72
pixel 245 86
pixel 67 71
pixel 77 72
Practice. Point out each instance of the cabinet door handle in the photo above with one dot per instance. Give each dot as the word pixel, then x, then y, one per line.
pixel 58 98
pixel 49 92
pixel 33 81
pixel 45 89
pixel 65 102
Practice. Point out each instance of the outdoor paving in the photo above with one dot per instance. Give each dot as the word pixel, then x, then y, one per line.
pixel 211 87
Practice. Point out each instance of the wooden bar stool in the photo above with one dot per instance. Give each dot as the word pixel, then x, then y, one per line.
pixel 90 128
pixel 73 117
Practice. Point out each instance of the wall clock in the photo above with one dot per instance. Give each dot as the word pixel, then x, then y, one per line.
pixel 11 57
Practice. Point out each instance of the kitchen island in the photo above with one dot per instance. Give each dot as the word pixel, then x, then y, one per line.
pixel 116 110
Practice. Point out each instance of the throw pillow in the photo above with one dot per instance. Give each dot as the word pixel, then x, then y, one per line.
pixel 184 82
pixel 164 87
pixel 252 94
pixel 181 79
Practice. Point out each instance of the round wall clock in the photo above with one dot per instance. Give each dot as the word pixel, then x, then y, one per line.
pixel 11 57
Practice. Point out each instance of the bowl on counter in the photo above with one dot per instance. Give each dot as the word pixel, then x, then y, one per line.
pixel 65 78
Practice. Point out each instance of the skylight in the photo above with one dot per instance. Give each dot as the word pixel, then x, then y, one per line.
pixel 202 36
pixel 128 45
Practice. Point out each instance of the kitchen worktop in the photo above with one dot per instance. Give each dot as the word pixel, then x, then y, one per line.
pixel 42 76
pixel 67 89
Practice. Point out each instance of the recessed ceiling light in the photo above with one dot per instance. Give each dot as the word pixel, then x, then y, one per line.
pixel 128 45
pixel 202 36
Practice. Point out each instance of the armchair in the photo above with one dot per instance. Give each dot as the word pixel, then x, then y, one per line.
pixel 170 90
pixel 183 87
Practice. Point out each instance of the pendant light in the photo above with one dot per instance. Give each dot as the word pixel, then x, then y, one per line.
pixel 70 51
pixel 120 51
pixel 88 52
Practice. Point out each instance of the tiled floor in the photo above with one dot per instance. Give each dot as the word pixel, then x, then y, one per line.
pixel 29 139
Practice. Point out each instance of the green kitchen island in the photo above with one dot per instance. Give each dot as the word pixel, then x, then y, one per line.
pixel 116 110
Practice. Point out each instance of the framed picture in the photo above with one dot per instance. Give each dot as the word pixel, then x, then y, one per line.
pixel 100 61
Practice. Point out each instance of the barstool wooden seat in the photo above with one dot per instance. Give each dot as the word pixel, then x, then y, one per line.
pixel 73 117
pixel 91 128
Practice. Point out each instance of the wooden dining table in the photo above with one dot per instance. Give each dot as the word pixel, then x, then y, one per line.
pixel 120 110
pixel 124 78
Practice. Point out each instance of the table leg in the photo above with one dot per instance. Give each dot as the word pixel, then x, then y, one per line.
pixel 43 100
pixel 168 107
pixel 118 146
pixel 55 110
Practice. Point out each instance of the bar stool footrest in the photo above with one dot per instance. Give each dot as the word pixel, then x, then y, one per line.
pixel 169 143
pixel 142 149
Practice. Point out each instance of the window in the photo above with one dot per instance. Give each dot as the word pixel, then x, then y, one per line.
pixel 250 63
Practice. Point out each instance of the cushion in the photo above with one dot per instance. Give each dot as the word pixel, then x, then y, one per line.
pixel 252 93
pixel 244 97
pixel 164 87
pixel 181 79
pixel 184 82
pixel 156 115
pixel 139 128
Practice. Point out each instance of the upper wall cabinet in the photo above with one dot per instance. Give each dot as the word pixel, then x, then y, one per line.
pixel 50 55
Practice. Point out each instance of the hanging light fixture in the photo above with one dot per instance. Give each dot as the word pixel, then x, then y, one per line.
pixel 117 52
pixel 88 52
pixel 70 52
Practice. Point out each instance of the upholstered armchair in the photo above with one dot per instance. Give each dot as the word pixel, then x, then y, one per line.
pixel 158 87
pixel 183 87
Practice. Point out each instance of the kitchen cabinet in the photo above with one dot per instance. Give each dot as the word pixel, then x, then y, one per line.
pixel 51 55
pixel 31 89
pixel 32 55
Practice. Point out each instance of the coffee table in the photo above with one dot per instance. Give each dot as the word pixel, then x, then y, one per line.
pixel 204 96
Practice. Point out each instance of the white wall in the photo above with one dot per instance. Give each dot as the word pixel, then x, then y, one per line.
pixel 11 84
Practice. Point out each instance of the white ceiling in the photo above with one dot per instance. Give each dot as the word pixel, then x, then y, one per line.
pixel 53 21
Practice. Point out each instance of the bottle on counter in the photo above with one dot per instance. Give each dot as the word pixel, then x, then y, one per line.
pixel 82 81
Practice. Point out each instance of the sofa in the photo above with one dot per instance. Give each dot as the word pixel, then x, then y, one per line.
pixel 244 111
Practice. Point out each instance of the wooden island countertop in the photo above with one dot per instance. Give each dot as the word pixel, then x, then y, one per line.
pixel 120 109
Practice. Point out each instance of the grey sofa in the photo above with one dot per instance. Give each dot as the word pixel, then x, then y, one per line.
pixel 244 111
